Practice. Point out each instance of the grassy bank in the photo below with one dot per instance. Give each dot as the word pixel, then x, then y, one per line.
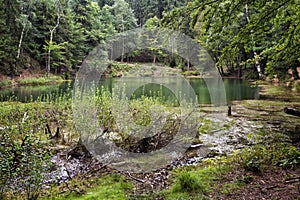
pixel 31 81
pixel 51 79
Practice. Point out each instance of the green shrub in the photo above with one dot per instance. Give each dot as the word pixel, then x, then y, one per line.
pixel 4 83
pixel 259 157
pixel 24 154
pixel 23 165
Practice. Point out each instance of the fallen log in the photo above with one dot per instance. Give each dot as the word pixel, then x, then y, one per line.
pixel 292 111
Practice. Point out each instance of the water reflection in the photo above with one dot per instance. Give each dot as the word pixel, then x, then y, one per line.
pixel 235 89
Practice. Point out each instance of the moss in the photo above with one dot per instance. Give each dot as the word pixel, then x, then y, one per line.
pixel 112 187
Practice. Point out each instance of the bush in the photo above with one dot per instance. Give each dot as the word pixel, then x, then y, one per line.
pixel 22 165
pixel 24 158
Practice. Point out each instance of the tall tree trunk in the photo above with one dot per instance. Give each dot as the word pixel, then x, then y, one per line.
pixel 123 49
pixel 188 59
pixel 21 40
pixel 123 41
pixel 50 43
pixel 257 64
pixel 239 66
pixel 154 59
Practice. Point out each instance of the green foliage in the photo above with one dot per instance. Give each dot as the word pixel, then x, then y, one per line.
pixel 83 25
pixel 118 70
pixel 238 33
pixel 145 9
pixel 24 158
pixel 260 157
pixel 138 109
pixel 124 18
pixel 234 31
pixel 191 73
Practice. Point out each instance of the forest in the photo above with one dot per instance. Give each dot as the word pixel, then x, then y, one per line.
pixel 149 128
pixel 56 36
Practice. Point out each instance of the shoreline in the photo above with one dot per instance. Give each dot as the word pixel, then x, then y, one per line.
pixel 31 81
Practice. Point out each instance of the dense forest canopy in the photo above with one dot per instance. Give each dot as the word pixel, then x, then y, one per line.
pixel 264 34
pixel 56 35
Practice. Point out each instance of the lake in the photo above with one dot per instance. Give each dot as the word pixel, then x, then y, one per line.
pixel 236 89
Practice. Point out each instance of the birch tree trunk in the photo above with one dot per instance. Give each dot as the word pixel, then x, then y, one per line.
pixel 257 64
pixel 154 59
pixel 21 40
pixel 50 43
pixel 123 41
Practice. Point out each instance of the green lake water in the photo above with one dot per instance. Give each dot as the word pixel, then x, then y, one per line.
pixel 169 88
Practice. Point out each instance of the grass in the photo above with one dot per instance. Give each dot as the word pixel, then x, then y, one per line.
pixel 40 80
pixel 31 81
pixel 5 83
pixel 112 187
pixel 195 182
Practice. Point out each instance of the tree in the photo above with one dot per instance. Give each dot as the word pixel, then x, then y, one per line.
pixel 8 38
pixel 261 33
pixel 151 26
pixel 182 24
pixel 23 20
pixel 51 44
pixel 147 9
pixel 124 20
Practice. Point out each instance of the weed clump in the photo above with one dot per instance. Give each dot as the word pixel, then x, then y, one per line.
pixel 188 182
